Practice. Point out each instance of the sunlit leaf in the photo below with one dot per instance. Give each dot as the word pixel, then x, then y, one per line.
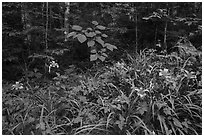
pixel 81 38
pixel 103 50
pixel 146 18
pixel 101 27
pixel 89 29
pixel 120 122
pixel 104 35
pixel 97 32
pixel 177 123
pixel 102 58
pixel 104 54
pixel 110 46
pixel 75 36
pixel 185 124
pixel 91 43
pixel 76 27
pixel 93 51
pixel 71 34
pixel 167 111
pixel 90 34
pixel 94 22
pixel 93 57
pixel 142 108
pixel 99 40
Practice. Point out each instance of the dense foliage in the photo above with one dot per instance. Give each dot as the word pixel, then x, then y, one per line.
pixel 102 68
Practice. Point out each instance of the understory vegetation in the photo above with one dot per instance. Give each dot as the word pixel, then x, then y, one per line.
pixel 151 94
pixel 103 86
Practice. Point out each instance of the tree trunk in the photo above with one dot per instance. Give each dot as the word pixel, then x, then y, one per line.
pixel 165 30
pixel 46 26
pixel 25 21
pixel 50 17
pixel 136 31
pixel 66 19
pixel 46 35
pixel 155 35
pixel 165 33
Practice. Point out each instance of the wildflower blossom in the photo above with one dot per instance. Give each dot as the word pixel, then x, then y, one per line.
pixel 17 86
pixel 163 72
pixel 53 64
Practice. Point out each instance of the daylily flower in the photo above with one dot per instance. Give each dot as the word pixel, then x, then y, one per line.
pixel 17 86
pixel 52 65
pixel 163 72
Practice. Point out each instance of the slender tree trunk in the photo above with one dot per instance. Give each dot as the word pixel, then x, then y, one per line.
pixel 46 26
pixel 136 31
pixel 46 36
pixel 66 19
pixel 43 20
pixel 165 33
pixel 50 17
pixel 25 21
pixel 155 37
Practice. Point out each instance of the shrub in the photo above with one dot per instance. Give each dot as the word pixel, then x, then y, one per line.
pixel 94 38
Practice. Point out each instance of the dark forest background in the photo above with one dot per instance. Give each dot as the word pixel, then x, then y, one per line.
pixel 41 29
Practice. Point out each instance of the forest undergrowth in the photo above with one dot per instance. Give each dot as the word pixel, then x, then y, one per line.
pixel 143 94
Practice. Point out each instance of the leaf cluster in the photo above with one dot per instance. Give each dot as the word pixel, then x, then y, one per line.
pixel 93 36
